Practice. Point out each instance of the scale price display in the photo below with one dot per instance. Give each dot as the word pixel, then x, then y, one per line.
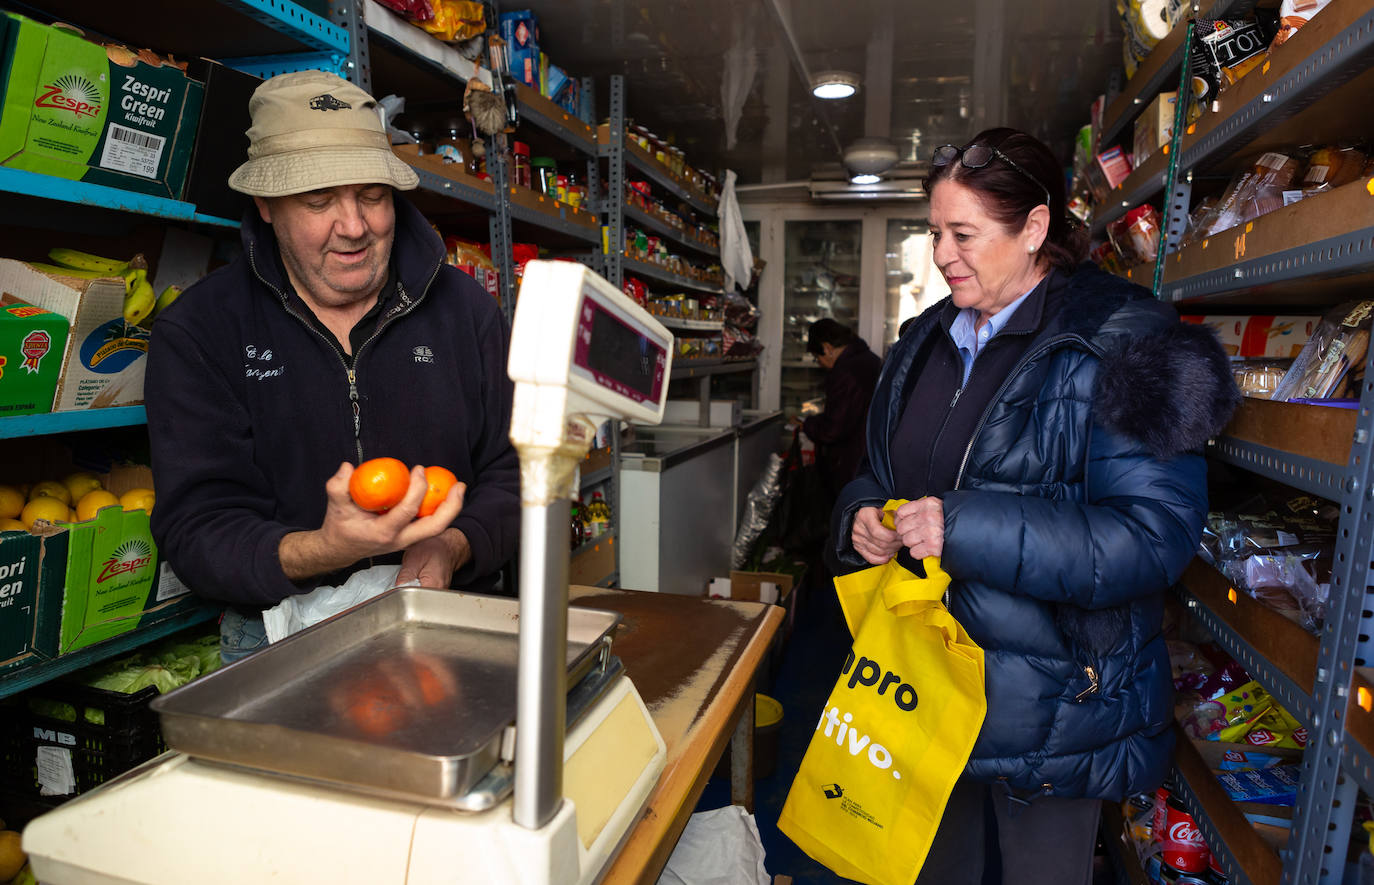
pixel 617 356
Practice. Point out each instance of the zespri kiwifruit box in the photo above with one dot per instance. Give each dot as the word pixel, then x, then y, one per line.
pixel 72 112
pixel 20 567
pixel 113 582
pixel 33 342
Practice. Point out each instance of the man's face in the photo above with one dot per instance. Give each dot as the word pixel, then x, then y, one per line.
pixel 335 242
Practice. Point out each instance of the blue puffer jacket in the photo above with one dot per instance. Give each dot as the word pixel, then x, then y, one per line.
pixel 1080 501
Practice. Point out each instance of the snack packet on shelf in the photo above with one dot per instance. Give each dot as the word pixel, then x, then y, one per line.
pixel 1331 167
pixel 1223 51
pixel 1338 344
pixel 1293 14
pixel 1254 192
pixel 1259 376
pixel 1253 717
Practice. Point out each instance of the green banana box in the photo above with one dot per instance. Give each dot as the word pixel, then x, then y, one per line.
pixel 33 343
pixel 105 355
pixel 72 112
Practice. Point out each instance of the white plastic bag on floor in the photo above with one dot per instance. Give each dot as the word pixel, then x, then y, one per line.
pixel 295 613
pixel 720 847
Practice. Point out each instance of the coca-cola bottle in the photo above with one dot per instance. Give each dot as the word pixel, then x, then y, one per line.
pixel 1184 850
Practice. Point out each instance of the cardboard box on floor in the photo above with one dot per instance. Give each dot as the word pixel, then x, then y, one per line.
pixel 110 582
pixel 105 356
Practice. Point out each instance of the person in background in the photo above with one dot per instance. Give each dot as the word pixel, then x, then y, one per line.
pixel 1045 422
pixel 339 335
pixel 851 373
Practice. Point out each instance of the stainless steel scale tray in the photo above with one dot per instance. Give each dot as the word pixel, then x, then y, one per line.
pixel 408 693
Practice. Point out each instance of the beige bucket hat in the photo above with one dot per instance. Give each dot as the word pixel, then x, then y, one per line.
pixel 314 130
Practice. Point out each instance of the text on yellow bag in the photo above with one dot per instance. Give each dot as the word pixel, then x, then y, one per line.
pixel 896 730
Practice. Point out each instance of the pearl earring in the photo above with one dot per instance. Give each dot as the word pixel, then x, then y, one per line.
pixel 1030 250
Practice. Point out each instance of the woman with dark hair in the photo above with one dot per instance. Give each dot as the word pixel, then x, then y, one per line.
pixel 1045 424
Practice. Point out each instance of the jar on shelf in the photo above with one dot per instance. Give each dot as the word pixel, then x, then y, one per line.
pixel 563 189
pixel 455 150
pixel 544 171
pixel 520 171
pixel 577 192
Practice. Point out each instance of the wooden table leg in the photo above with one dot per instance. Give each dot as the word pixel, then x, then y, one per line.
pixel 742 756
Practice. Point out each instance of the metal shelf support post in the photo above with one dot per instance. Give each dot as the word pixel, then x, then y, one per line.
pixel 613 204
pixel 348 14
pixel 1325 805
pixel 499 226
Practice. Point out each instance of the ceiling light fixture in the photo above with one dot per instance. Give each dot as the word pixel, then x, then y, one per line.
pixel 834 84
pixel 865 178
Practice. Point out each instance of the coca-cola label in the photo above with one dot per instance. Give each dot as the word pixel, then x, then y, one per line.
pixel 1185 833
pixel 1183 847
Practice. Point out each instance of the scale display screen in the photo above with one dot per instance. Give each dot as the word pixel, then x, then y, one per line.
pixel 618 356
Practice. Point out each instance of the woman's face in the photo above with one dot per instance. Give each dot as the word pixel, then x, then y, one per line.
pixel 986 265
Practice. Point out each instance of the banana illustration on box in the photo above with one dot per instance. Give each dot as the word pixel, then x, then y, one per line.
pixel 141 301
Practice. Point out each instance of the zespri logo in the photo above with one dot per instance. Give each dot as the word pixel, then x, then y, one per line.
pixel 128 557
pixel 71 92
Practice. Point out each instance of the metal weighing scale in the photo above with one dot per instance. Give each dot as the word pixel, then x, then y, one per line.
pixel 381 745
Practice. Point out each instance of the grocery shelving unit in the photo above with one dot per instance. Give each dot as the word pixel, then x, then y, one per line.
pixel 1315 253
pixel 228 29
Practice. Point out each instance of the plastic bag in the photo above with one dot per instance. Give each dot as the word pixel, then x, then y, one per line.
pixel 1254 192
pixel 295 613
pixel 1223 51
pixel 455 20
pixel 720 847
pixel 758 509
pixel 1336 347
pixel 415 10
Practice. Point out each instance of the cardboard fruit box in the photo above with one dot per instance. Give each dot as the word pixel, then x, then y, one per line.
pixel 21 571
pixel 33 343
pixel 111 579
pixel 72 112
pixel 105 356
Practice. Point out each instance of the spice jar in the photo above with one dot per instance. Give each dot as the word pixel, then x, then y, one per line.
pixel 545 176
pixel 521 158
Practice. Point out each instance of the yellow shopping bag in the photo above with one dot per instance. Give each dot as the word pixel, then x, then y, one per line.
pixel 896 730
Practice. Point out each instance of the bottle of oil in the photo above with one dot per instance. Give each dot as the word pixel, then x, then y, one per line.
pixel 575 533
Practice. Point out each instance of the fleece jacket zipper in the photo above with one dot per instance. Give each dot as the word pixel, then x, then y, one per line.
pixel 350 372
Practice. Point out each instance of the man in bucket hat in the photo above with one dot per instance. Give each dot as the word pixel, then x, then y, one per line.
pixel 338 335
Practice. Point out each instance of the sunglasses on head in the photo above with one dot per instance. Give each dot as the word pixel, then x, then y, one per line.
pixel 976 156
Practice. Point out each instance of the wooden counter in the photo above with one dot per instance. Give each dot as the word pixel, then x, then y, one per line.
pixel 693 661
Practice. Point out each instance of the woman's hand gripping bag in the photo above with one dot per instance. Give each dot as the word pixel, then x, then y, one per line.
pixel 896 730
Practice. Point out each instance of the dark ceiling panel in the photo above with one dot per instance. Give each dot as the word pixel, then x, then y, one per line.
pixel 1053 58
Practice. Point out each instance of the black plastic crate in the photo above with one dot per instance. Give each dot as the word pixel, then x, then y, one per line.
pixel 130 733
pixel 116 753
pixel 122 712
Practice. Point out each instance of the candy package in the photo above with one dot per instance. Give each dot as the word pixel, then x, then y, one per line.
pixel 1293 14
pixel 1251 716
pixel 415 10
pixel 454 21
pixel 1332 357
pixel 1223 51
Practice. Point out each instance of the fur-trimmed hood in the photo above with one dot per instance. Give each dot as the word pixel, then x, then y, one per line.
pixel 1173 390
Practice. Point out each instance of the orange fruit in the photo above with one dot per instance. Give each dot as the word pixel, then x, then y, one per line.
pixel 44 510
pixel 12 525
pixel 379 484
pixel 440 480
pixel 92 501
